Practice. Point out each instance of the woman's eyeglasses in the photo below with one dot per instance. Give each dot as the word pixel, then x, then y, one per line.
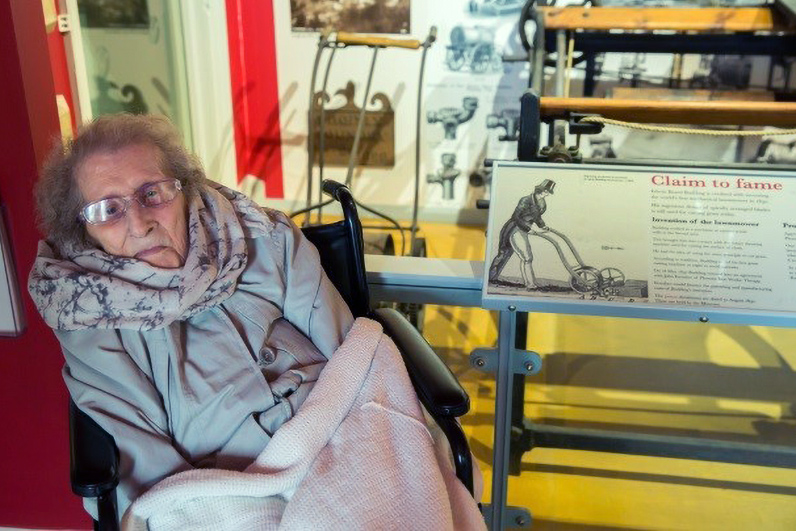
pixel 111 209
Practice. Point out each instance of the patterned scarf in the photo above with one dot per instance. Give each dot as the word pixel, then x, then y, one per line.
pixel 92 289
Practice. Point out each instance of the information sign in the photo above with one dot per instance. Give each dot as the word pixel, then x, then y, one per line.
pixel 643 241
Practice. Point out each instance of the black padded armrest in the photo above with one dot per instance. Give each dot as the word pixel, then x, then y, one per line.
pixel 94 457
pixel 434 382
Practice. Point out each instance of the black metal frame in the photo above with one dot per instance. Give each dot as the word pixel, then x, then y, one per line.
pixel 593 42
pixel 95 457
pixel 696 43
pixel 529 147
pixel 526 435
pixel 94 466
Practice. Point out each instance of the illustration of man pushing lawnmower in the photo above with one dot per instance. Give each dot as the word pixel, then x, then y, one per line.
pixel 515 238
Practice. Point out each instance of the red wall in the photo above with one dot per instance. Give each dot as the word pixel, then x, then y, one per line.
pixel 255 92
pixel 34 451
pixel 34 455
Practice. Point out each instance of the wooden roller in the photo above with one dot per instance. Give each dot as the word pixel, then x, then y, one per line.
pixel 778 114
pixel 703 19
pixel 363 39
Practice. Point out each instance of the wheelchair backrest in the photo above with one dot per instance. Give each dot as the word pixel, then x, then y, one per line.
pixel 342 253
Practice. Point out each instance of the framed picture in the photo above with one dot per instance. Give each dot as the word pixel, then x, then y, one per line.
pixel 363 16
pixel 114 13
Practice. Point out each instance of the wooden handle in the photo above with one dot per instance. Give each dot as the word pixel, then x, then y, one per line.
pixel 363 39
pixel 709 19
pixel 779 114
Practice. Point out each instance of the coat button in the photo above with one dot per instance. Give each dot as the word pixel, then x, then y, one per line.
pixel 267 355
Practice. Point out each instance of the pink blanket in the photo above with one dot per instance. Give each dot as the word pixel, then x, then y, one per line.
pixel 357 455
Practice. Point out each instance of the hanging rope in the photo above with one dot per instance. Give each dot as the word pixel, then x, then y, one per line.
pixel 685 130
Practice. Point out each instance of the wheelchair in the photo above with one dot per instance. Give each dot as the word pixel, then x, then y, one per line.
pixel 94 471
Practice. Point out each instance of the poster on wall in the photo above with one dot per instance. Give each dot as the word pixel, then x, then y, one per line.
pixel 356 16
pixel 644 236
pixel 469 109
pixel 472 98
pixel 114 13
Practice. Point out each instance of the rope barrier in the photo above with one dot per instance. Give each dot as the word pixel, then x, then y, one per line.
pixel 685 130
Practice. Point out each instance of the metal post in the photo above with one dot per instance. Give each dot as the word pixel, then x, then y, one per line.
pixel 311 121
pixel 561 64
pixel 432 36
pixel 739 146
pixel 538 57
pixel 353 159
pixel 502 440
pixel 518 396
pixel 322 136
pixel 530 126
pixel 591 69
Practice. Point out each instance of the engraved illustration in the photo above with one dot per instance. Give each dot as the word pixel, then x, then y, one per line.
pixel 445 175
pixel 473 47
pixel 509 121
pixel 525 229
pixel 452 117
pixel 495 8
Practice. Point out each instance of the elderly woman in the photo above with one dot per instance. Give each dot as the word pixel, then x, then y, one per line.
pixel 193 322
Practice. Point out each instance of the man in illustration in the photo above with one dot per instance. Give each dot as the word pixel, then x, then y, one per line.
pixel 527 214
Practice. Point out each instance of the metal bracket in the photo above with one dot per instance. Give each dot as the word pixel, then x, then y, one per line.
pixel 576 127
pixel 63 23
pixel 522 361
pixel 514 516
pixel 561 153
pixel 528 144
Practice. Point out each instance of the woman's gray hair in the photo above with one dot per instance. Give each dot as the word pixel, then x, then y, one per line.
pixel 58 199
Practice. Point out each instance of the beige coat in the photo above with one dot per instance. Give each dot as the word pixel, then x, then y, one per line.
pixel 210 391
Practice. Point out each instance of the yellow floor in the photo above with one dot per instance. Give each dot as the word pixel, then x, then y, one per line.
pixel 730 382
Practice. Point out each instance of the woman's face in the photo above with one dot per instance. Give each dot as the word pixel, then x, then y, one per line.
pixel 156 235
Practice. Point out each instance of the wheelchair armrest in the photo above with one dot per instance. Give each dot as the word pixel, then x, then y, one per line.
pixel 94 457
pixel 435 384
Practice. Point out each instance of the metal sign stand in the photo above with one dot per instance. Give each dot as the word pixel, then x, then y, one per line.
pixel 509 420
